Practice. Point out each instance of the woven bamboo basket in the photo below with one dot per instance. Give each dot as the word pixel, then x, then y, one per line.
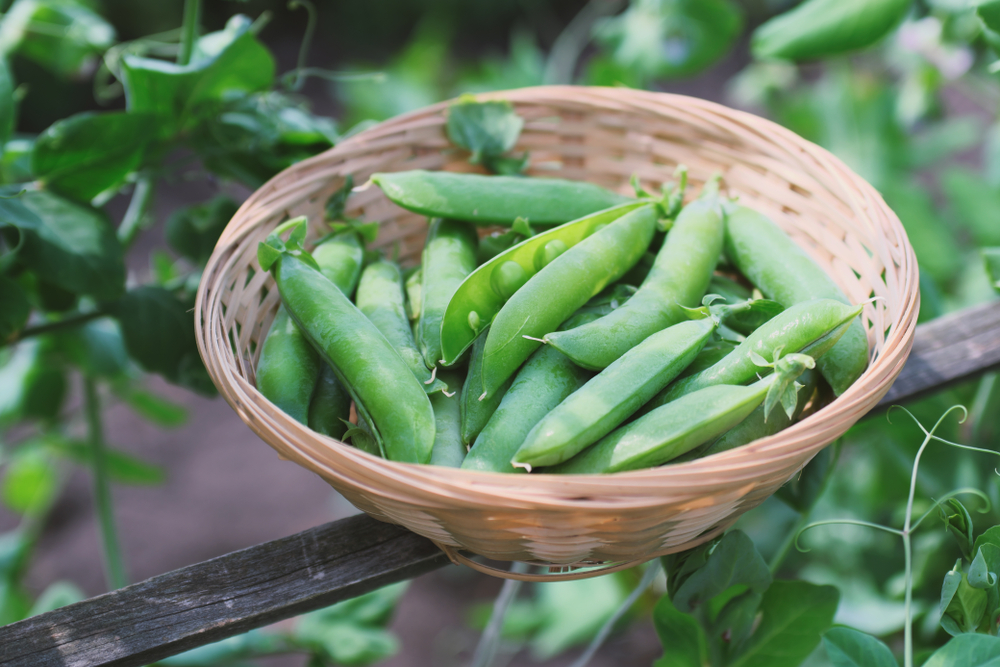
pixel 603 135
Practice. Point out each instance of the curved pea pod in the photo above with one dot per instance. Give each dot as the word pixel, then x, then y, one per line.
pixel 380 298
pixel 476 302
pixel 449 450
pixel 757 425
pixel 559 289
pixel 678 427
pixel 385 392
pixel 288 368
pixel 330 406
pixel 494 200
pixel 822 28
pixel 449 256
pixel 811 327
pixel 677 279
pixel 340 257
pixel 614 395
pixel 477 408
pixel 784 272
pixel 547 377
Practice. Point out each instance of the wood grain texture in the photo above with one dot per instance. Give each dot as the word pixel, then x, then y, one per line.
pixel 947 350
pixel 222 597
pixel 248 589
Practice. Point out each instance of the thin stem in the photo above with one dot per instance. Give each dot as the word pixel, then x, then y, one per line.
pixel 76 319
pixel 307 38
pixel 571 42
pixel 189 30
pixel 647 580
pixel 786 546
pixel 908 605
pixel 486 651
pixel 113 564
pixel 142 196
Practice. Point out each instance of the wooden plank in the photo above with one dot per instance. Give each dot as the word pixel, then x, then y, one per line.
pixel 248 589
pixel 948 350
pixel 222 597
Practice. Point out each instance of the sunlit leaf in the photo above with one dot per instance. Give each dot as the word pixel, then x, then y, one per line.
pixel 29 480
pixel 968 651
pixel 58 594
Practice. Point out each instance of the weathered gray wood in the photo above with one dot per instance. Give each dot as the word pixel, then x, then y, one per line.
pixel 948 350
pixel 222 597
pixel 248 589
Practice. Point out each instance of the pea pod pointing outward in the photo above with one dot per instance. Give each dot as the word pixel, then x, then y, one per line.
pixel 678 278
pixel 449 256
pixel 614 395
pixel 476 302
pixel 678 427
pixel 380 298
pixel 784 272
pixel 559 289
pixel 811 327
pixel 384 389
pixel 494 199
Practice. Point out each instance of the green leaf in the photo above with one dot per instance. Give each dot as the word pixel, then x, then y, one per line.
pixel 15 165
pixel 29 481
pixel 71 246
pixel 573 612
pixel 32 382
pixel 91 153
pixel 795 614
pixel 486 129
pixel 988 13
pixel 684 643
pixel 193 231
pixel 228 61
pixel 733 561
pixel 122 466
pixel 966 607
pixel 979 574
pixel 249 645
pixel 823 28
pixel 58 594
pixel 14 308
pixel 97 348
pixel 671 38
pixel 967 651
pixel 802 491
pixel 61 35
pixel 973 200
pixel 159 334
pixel 334 207
pixel 958 522
pixel 353 632
pixel 8 109
pixel 154 408
pixel 992 258
pixel 849 648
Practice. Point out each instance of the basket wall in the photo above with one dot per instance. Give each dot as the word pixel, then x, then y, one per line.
pixel 601 135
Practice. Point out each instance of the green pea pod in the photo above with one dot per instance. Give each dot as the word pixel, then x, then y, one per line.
pixel 811 327
pixel 559 289
pixel 380 298
pixel 476 302
pixel 494 200
pixel 288 368
pixel 784 272
pixel 449 450
pixel 547 377
pixel 449 256
pixel 757 425
pixel 477 408
pixel 728 289
pixel 385 392
pixel 614 395
pixel 340 257
pixel 678 278
pixel 413 301
pixel 678 427
pixel 745 317
pixel 713 352
pixel 822 28
pixel 330 406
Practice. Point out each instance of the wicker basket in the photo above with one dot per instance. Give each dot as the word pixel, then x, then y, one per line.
pixel 603 135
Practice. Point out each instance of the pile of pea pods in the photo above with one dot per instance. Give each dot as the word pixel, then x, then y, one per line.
pixel 625 333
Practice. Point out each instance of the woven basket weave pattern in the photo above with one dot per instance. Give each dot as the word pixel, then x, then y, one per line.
pixel 603 136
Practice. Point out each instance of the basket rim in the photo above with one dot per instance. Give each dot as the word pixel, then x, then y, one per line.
pixel 787 444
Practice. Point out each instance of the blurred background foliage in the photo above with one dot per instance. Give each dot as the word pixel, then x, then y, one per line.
pixel 95 117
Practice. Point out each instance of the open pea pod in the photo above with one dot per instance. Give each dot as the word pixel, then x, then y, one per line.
pixel 483 293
